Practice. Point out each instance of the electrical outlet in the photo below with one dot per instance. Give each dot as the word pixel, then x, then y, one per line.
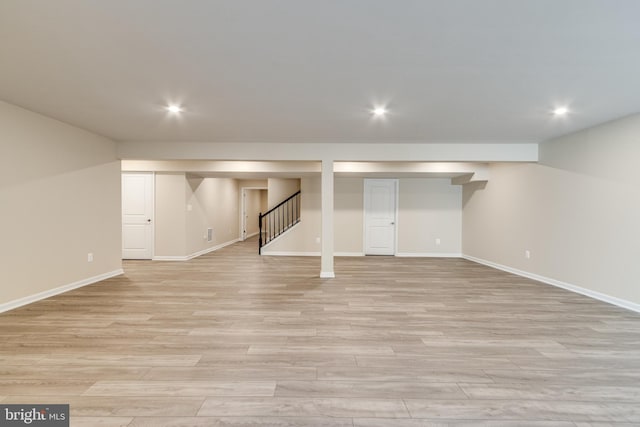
pixel 317 240
pixel 527 254
pixel 90 257
pixel 437 241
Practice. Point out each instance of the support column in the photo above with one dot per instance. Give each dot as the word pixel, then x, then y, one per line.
pixel 326 257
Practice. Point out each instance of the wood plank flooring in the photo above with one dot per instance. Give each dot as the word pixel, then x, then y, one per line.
pixel 234 339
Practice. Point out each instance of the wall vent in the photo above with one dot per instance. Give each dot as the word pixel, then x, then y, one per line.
pixel 209 234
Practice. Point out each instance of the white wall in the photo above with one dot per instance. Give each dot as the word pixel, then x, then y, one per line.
pixel 59 200
pixel 170 215
pixel 576 212
pixel 348 200
pixel 264 201
pixel 428 209
pixel 279 189
pixel 254 183
pixel 214 204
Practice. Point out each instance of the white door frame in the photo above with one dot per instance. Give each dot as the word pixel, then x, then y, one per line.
pixel 153 207
pixel 242 222
pixel 364 213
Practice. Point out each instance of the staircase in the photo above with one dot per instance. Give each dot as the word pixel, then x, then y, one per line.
pixel 278 219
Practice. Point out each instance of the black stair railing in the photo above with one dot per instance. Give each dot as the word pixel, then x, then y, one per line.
pixel 278 219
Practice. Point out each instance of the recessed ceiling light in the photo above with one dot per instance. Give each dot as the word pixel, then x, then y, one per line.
pixel 379 111
pixel 560 111
pixel 173 108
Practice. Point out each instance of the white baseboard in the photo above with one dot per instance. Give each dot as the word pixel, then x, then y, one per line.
pixel 357 254
pixel 59 290
pixel 212 249
pixel 170 258
pixel 428 255
pixel 289 253
pixel 286 253
pixel 553 282
pixel 327 275
pixel 248 236
pixel 195 254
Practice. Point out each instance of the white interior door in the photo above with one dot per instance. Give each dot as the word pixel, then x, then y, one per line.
pixel 380 202
pixel 244 214
pixel 137 215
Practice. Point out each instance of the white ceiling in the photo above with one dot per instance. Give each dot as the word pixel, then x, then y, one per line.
pixel 310 70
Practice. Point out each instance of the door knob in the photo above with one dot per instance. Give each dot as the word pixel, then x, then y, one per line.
pixel 393 223
pixel 149 220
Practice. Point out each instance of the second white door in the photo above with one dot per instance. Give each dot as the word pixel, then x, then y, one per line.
pixel 137 215
pixel 380 207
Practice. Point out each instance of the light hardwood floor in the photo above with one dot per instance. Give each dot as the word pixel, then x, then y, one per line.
pixel 233 339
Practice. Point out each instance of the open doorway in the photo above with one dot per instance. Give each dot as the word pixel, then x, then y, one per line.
pixel 253 200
